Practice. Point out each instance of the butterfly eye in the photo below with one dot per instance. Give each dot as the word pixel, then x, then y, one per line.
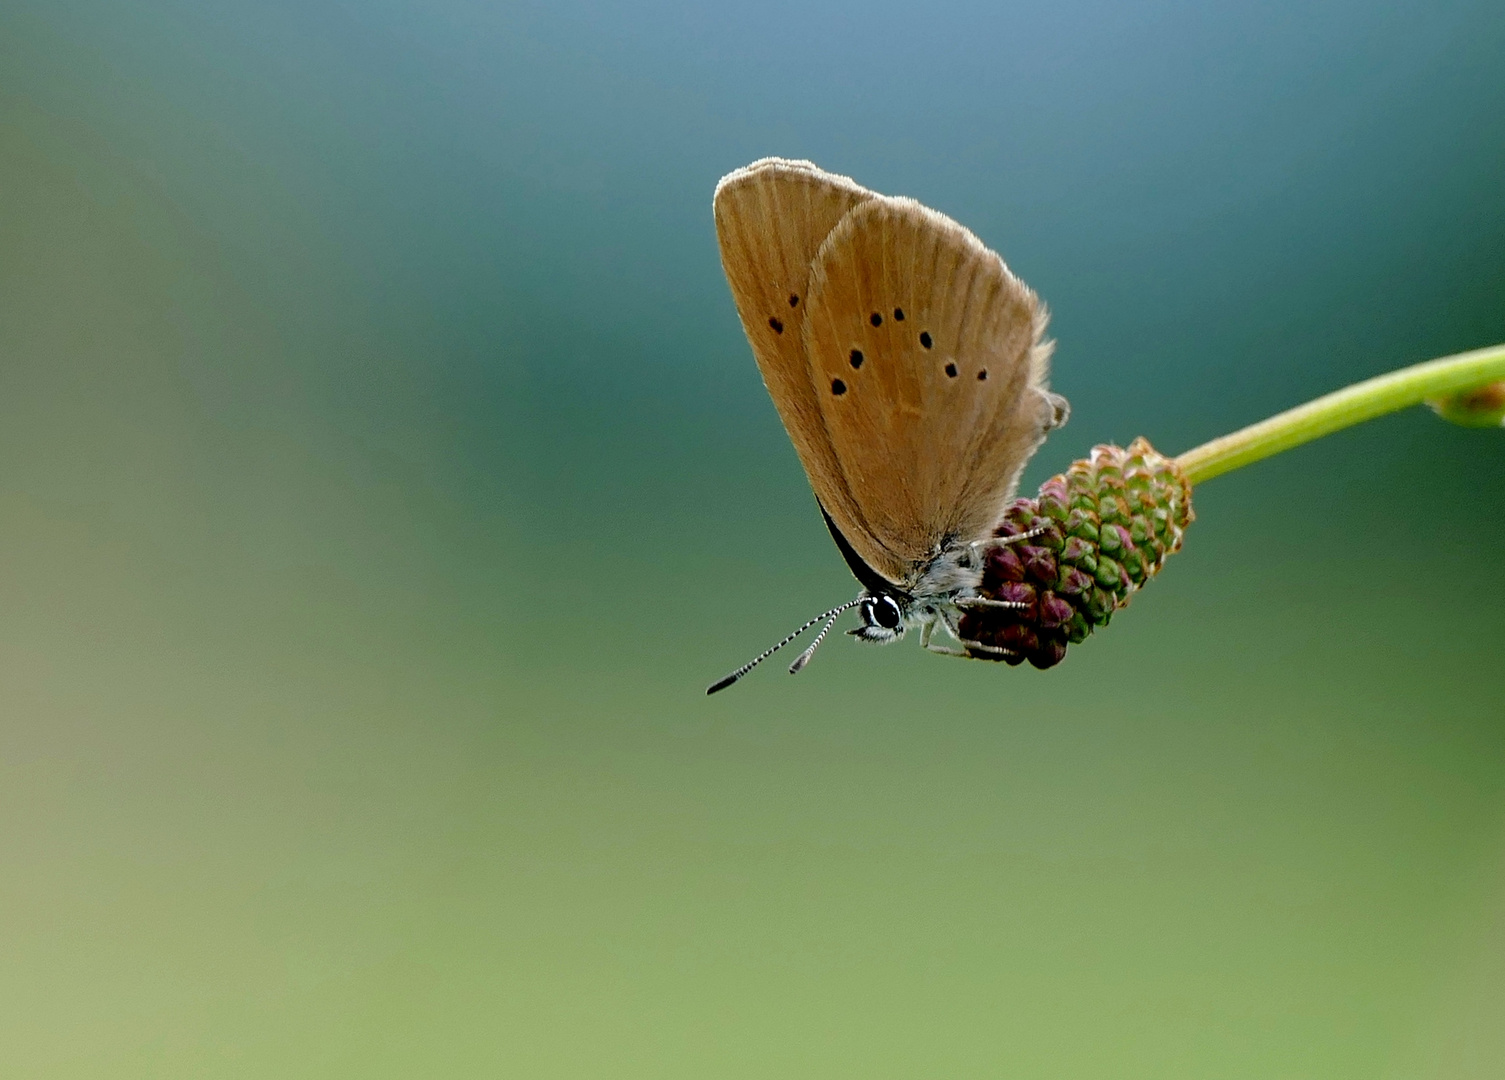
pixel 886 613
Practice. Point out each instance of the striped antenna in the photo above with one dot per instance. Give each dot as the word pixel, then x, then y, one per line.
pixel 804 658
pixel 722 684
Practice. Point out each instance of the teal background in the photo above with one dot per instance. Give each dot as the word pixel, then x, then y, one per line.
pixel 383 476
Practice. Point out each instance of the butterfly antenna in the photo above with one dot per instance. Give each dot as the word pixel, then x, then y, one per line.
pixel 722 684
pixel 804 658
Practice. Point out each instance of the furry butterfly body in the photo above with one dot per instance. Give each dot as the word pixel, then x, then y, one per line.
pixel 909 367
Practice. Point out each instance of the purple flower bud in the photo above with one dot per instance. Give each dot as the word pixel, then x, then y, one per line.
pixel 1040 565
pixel 1019 638
pixel 1073 582
pixel 1054 611
pixel 1050 653
pixel 1004 564
pixel 1054 501
pixel 1016 518
pixel 1017 592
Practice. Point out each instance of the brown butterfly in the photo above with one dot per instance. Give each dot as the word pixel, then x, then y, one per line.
pixel 909 367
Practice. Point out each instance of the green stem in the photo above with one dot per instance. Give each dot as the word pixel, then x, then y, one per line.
pixel 1340 409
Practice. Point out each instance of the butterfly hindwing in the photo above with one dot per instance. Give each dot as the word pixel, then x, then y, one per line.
pixel 771 218
pixel 928 368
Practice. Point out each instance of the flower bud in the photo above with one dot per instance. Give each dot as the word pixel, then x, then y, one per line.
pixel 1109 523
pixel 1483 406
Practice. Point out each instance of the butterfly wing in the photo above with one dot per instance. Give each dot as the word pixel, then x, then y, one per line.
pixel 929 372
pixel 771 218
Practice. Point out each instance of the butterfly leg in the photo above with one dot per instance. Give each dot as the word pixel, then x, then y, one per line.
pixel 975 551
pixel 925 632
pixel 1005 541
pixel 972 647
pixel 949 621
pixel 928 630
pixel 985 602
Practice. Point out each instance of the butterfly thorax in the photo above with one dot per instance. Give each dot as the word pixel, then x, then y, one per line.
pixel 953 574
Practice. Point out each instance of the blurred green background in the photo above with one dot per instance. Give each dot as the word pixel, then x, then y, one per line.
pixel 383 476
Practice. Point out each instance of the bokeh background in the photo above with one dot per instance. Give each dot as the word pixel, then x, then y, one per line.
pixel 383 476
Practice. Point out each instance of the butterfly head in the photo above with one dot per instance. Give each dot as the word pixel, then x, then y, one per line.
pixel 883 617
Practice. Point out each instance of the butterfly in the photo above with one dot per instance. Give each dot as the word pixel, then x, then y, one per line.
pixel 909 367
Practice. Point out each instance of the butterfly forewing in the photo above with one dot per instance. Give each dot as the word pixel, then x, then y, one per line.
pixel 771 218
pixel 928 370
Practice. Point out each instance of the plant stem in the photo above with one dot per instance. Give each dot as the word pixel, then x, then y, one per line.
pixel 1340 409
